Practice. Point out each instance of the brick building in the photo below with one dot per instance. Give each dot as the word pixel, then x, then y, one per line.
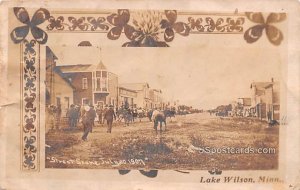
pixel 72 82
pixel 92 82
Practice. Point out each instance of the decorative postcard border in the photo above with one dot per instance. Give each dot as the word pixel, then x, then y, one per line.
pixel 152 29
pixel 30 109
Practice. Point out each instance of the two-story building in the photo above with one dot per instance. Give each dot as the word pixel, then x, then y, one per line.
pixel 142 89
pixel 266 99
pixel 71 82
pixel 156 98
pixel 127 97
pixel 93 83
pixel 59 90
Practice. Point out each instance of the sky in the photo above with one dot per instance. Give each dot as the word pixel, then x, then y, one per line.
pixel 202 70
pixel 200 77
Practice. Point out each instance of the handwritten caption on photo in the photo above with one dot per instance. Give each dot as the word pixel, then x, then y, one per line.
pixel 100 161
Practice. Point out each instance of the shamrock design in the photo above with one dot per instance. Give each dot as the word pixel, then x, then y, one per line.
pixel 20 33
pixel 120 23
pixel 171 26
pixel 274 35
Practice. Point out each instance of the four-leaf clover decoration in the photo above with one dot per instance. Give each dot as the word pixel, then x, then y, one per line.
pixel 122 18
pixel 170 25
pixel 120 22
pixel 20 33
pixel 274 35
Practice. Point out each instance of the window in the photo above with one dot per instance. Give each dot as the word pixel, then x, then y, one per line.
pixel 101 81
pixel 84 83
pixel 104 74
pixel 98 84
pixel 98 74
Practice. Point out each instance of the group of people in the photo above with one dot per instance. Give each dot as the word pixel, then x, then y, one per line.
pixel 54 116
pixel 89 114
pixel 86 115
pixel 73 115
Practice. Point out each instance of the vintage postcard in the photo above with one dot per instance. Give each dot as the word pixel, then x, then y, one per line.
pixel 125 95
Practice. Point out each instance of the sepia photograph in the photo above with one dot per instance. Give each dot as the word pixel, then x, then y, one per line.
pixel 120 111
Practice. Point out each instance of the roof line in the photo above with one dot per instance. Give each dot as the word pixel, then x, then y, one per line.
pixel 135 83
pixel 128 89
pixel 58 71
pixel 73 65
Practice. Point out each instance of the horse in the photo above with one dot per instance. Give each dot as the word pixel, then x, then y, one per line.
pixel 169 113
pixel 160 118
pixel 126 115
pixel 141 114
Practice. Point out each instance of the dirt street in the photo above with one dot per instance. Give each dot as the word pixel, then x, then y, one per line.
pixel 194 141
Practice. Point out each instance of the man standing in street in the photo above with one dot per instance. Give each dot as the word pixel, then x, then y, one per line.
pixel 92 113
pixel 58 116
pixel 77 109
pixel 104 111
pixel 87 121
pixel 72 117
pixel 51 117
pixel 109 115
pixel 99 113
